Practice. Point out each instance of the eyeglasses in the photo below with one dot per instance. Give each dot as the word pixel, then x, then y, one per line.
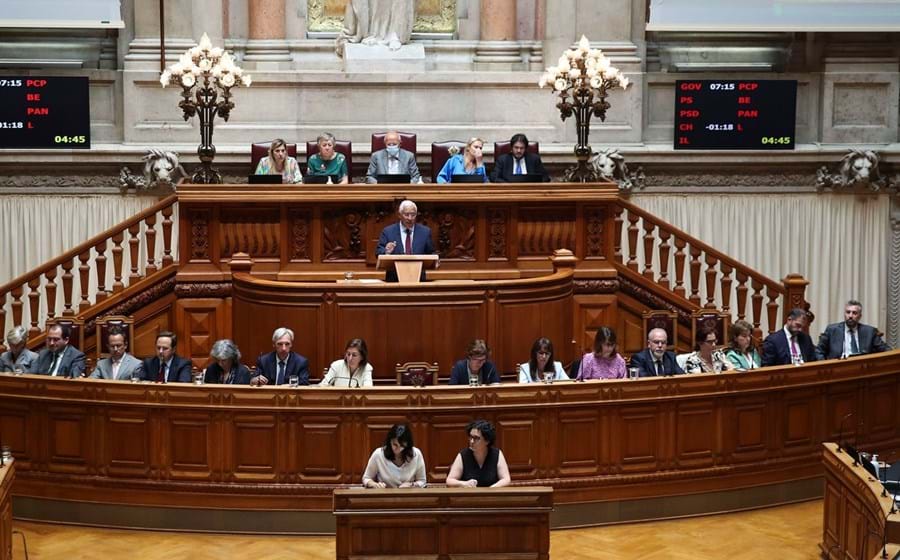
pixel 543 353
pixel 474 438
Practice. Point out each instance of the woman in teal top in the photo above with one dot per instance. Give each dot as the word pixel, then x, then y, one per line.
pixel 327 161
pixel 742 352
pixel 467 163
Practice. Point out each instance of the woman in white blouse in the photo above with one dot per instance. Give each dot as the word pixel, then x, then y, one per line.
pixel 397 464
pixel 354 370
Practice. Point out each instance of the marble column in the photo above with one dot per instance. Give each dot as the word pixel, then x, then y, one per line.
pixel 498 48
pixel 267 46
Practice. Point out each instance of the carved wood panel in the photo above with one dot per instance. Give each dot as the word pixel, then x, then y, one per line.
pixel 319 451
pixel 497 234
pixel 543 230
pixel 200 322
pixel 16 429
pixel 455 229
pixel 190 445
pixel 695 439
pixel 129 451
pixel 255 447
pixel 594 246
pixel 343 235
pixel 255 231
pixel 300 235
pixel 748 429
pixel 69 437
pixel 639 439
pixel 579 453
pixel 521 437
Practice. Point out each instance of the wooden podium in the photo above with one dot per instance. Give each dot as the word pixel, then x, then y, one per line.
pixel 497 523
pixel 409 267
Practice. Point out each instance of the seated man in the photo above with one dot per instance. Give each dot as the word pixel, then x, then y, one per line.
pixel 393 160
pixel 789 345
pixel 655 360
pixel 475 369
pixel 59 358
pixel 850 337
pixel 405 238
pixel 17 358
pixel 120 365
pixel 518 162
pixel 167 366
pixel 277 367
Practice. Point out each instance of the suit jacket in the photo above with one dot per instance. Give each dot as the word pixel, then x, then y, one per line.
pixel 831 342
pixel 128 365
pixel 505 165
pixel 71 364
pixel 777 351
pixel 267 365
pixel 421 245
pixel 378 165
pixel 23 361
pixel 214 374
pixel 646 365
pixel 460 374
pixel 179 372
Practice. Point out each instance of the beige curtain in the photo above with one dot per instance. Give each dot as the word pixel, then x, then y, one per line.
pixel 37 228
pixel 840 243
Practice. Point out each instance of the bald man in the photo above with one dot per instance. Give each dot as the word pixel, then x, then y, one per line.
pixel 393 160
pixel 655 360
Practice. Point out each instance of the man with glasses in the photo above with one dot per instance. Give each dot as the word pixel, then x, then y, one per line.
pixel 406 237
pixel 59 359
pixel 393 160
pixel 655 360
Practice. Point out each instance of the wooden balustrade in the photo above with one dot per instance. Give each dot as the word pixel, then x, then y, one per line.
pixel 44 282
pixel 711 274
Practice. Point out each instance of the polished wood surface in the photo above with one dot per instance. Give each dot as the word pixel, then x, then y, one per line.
pixel 859 515
pixel 443 523
pixel 786 533
pixel 7 477
pixel 277 448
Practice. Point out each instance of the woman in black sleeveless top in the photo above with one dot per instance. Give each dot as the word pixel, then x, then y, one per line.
pixel 480 464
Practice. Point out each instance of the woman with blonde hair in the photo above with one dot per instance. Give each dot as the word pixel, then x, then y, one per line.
pixel 470 162
pixel 279 163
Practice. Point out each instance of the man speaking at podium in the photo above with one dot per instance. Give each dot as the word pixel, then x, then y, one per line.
pixel 406 237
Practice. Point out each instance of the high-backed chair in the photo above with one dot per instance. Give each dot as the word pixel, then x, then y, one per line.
pixel 441 152
pixel 417 374
pixel 259 150
pixel 407 141
pixel 103 326
pixel 342 146
pixel 721 322
pixel 665 320
pixel 76 328
pixel 504 147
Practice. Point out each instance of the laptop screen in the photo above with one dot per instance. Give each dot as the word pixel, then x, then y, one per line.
pixel 393 178
pixel 465 178
pixel 526 178
pixel 264 179
pixel 319 179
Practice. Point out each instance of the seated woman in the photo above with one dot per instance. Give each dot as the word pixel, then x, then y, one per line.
pixel 354 370
pixel 481 464
pixel 706 358
pixel 327 161
pixel 604 362
pixel 475 369
pixel 227 367
pixel 396 464
pixel 467 163
pixel 541 363
pixel 742 351
pixel 279 163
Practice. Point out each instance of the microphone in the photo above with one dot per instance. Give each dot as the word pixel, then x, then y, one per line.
pixel 841 434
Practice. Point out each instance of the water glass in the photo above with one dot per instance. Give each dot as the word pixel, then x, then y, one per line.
pixel 548 377
pixel 633 373
pixel 134 377
pixel 6 452
pixel 473 381
pixel 18 370
pixel 294 381
pixel 348 276
pixel 198 378
pixel 717 367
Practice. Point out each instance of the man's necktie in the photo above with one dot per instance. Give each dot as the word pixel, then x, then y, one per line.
pixel 161 376
pixel 279 378
pixel 659 367
pixel 518 170
pixel 794 352
pixel 407 247
pixel 854 345
pixel 53 365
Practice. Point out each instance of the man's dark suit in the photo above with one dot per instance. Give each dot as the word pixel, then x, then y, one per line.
pixel 459 375
pixel 646 364
pixel 504 168
pixel 267 365
pixel 421 245
pixel 179 371
pixel 71 363
pixel 777 350
pixel 831 342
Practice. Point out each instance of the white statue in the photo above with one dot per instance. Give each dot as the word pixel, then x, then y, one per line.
pixel 161 171
pixel 377 22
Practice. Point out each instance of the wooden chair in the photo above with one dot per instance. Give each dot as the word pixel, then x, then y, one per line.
pixel 665 320
pixel 441 152
pixel 417 374
pixel 259 150
pixel 504 147
pixel 342 146
pixel 703 317
pixel 76 327
pixel 103 326
pixel 407 141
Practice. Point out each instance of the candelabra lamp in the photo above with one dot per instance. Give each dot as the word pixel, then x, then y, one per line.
pixel 581 80
pixel 206 75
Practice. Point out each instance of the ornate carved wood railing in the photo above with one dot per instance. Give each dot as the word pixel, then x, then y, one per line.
pixel 132 246
pixel 698 273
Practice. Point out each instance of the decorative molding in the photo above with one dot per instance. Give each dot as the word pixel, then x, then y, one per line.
pixel 597 286
pixel 594 218
pixel 136 302
pixel 730 180
pixel 200 236
pixel 456 233
pixel 342 236
pixel 857 171
pixel 52 181
pixel 432 16
pixel 652 300
pixel 299 220
pixel 609 165
pixel 497 227
pixel 203 289
pixel 893 282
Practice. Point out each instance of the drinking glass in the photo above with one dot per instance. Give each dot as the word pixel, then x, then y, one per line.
pixel 294 381
pixel 198 378
pixel 473 382
pixel 633 373
pixel 548 377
